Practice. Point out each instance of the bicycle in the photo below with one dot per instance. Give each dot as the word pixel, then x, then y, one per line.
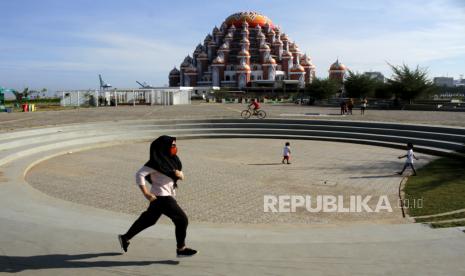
pixel 247 113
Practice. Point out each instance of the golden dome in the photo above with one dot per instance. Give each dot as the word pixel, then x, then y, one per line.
pixel 252 18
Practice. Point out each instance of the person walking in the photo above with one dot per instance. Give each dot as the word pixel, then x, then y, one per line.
pixel 287 153
pixel 163 170
pixel 363 106
pixel 409 162
pixel 350 106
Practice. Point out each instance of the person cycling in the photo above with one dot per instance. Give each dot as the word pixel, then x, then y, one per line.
pixel 256 106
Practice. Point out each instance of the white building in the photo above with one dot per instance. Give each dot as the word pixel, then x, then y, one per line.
pixel 115 97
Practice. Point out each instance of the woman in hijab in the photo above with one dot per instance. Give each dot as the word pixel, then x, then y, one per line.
pixel 163 170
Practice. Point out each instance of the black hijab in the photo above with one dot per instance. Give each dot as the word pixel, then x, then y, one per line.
pixel 161 159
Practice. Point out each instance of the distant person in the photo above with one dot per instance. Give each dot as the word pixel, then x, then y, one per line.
pixel 409 162
pixel 163 169
pixel 350 106
pixel 363 106
pixel 256 106
pixel 343 107
pixel 287 153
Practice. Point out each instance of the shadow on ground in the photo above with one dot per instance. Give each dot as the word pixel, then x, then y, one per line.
pixel 14 264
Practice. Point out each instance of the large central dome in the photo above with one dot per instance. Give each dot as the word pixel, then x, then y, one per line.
pixel 252 18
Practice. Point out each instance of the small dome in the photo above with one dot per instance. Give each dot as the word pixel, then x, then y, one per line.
pixel 294 48
pixel 229 35
pixel 306 61
pixel 174 71
pixel 264 46
pixel 191 69
pixel 243 53
pixel 243 67
pixel 284 37
pixel 245 41
pixel 215 30
pixel 270 60
pixel 187 61
pixel 202 55
pixel 208 37
pixel 260 35
pixel 278 42
pixel 297 68
pixel 245 24
pixel 224 46
pixel 218 60
pixel 287 54
pixel 338 66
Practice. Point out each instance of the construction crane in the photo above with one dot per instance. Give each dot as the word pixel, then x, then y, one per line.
pixel 145 85
pixel 103 85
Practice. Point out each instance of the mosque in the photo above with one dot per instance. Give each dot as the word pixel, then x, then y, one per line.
pixel 248 50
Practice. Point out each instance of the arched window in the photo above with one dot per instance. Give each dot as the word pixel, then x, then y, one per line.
pixel 228 78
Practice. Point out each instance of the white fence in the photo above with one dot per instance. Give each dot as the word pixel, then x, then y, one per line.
pixel 156 96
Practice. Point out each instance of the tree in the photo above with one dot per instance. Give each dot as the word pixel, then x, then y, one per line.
pixel 360 85
pixel 321 88
pixel 383 91
pixel 409 84
pixel 20 95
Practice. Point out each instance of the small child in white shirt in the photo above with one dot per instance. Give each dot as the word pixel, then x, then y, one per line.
pixel 287 153
pixel 409 162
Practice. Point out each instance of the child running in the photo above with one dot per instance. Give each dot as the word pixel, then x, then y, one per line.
pixel 287 153
pixel 409 162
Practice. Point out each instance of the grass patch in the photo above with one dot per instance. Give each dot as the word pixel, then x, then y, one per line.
pixel 446 217
pixel 448 224
pixel 441 186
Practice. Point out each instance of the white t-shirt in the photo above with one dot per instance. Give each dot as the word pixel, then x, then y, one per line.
pixel 286 151
pixel 162 185
pixel 410 156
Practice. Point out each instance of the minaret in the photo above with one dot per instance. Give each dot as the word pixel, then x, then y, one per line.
pixel 190 76
pixel 307 64
pixel 278 47
pixel 174 77
pixel 184 65
pixel 243 74
pixel 202 63
pixel 285 41
pixel 286 62
pixel 264 52
pixel 224 50
pixel 337 72
pixel 269 68
pixel 211 50
pixel 297 72
pixel 218 70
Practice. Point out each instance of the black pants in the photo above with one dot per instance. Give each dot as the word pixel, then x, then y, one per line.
pixel 167 206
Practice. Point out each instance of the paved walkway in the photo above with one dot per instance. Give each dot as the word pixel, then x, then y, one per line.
pixel 44 235
pixel 11 121
pixel 227 179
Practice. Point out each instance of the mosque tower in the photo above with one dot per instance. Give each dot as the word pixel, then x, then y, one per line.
pixel 337 72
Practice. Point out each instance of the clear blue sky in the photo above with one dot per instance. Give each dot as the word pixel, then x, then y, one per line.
pixel 60 44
